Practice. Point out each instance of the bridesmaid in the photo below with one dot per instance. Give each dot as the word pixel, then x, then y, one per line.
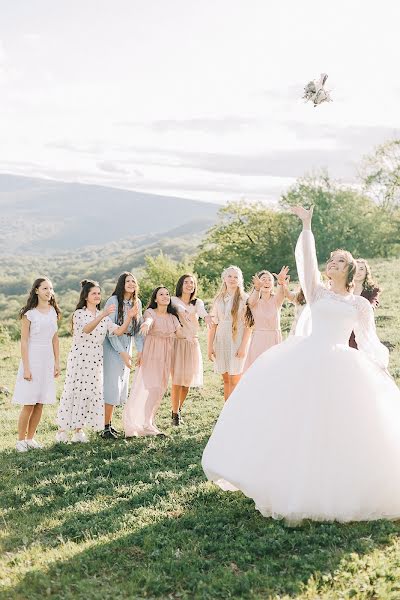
pixel 39 364
pixel 187 369
pixel 263 313
pixel 118 350
pixel 228 335
pixel 160 326
pixel 364 285
pixel 82 401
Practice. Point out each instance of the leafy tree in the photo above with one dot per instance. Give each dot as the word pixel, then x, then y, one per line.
pixel 343 217
pixel 161 270
pixel 249 235
pixel 380 175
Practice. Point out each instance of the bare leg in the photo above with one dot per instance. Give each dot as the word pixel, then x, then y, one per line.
pixel 108 413
pixel 184 393
pixel 227 387
pixel 175 397
pixel 34 420
pixel 233 381
pixel 23 421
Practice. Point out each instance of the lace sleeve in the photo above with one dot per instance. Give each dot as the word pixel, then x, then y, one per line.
pixel 365 334
pixel 307 265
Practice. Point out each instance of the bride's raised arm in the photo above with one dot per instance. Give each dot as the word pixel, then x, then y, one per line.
pixel 306 256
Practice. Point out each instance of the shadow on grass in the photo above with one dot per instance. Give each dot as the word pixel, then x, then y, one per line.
pixel 219 548
pixel 157 529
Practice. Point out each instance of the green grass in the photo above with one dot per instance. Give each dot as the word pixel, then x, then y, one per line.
pixel 137 519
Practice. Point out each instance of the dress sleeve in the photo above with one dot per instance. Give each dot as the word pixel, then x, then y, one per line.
pixel 307 265
pixel 114 340
pixel 365 334
pixel 79 322
pixel 214 313
pixel 30 315
pixel 111 327
pixel 201 309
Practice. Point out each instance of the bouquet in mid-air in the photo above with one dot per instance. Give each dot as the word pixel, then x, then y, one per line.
pixel 315 91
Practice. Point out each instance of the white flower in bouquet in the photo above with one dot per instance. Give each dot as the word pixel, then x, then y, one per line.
pixel 315 92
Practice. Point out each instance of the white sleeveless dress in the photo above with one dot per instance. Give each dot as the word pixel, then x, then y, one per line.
pixel 312 431
pixel 42 388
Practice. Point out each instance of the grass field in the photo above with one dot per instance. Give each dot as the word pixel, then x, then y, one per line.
pixel 137 519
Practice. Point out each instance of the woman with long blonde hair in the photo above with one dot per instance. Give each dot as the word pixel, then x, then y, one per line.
pixel 228 334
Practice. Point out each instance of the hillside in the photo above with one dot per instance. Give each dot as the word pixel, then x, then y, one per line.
pixel 43 216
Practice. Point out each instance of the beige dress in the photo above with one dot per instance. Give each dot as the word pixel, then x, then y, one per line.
pixel 151 380
pixel 267 327
pixel 225 346
pixel 188 363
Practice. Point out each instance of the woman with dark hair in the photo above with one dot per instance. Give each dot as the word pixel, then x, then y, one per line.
pixel 312 431
pixel 160 327
pixel 82 403
pixel 118 350
pixel 365 286
pixel 39 364
pixel 187 370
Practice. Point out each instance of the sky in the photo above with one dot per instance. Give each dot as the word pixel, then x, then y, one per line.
pixel 196 99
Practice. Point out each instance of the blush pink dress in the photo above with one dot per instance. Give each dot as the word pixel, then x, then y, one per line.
pixel 188 363
pixel 151 380
pixel 267 327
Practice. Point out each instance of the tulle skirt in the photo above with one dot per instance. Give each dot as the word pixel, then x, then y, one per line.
pixel 311 432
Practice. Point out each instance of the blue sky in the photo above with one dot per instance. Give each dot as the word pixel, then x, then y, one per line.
pixel 195 99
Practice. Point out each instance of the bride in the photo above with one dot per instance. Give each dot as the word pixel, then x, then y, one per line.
pixel 312 431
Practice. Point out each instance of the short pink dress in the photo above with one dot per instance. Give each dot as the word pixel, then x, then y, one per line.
pixel 267 328
pixel 187 367
pixel 151 380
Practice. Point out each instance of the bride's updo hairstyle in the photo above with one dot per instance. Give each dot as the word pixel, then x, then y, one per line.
pixel 351 267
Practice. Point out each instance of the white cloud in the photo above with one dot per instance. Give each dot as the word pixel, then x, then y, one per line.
pixel 199 97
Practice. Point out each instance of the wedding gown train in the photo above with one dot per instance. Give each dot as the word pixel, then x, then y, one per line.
pixel 312 431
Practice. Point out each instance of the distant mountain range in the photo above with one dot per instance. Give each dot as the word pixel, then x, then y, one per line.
pixel 43 216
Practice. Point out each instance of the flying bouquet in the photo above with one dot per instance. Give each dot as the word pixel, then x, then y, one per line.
pixel 315 92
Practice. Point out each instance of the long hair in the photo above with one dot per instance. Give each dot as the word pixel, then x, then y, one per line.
pixel 352 266
pixel 248 317
pixel 179 288
pixel 86 286
pixel 300 298
pixel 369 284
pixel 119 292
pixel 153 302
pixel 33 298
pixel 238 296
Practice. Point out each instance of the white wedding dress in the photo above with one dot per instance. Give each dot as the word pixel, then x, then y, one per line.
pixel 312 431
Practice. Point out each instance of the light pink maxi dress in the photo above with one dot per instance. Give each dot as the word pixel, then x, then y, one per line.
pixel 188 363
pixel 267 327
pixel 151 380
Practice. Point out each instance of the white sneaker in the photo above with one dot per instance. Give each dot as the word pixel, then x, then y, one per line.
pixel 33 444
pixel 21 446
pixel 62 436
pixel 80 436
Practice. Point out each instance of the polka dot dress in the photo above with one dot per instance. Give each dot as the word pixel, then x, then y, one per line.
pixel 81 403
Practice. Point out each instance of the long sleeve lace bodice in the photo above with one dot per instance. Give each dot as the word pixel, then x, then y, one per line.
pixel 334 316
